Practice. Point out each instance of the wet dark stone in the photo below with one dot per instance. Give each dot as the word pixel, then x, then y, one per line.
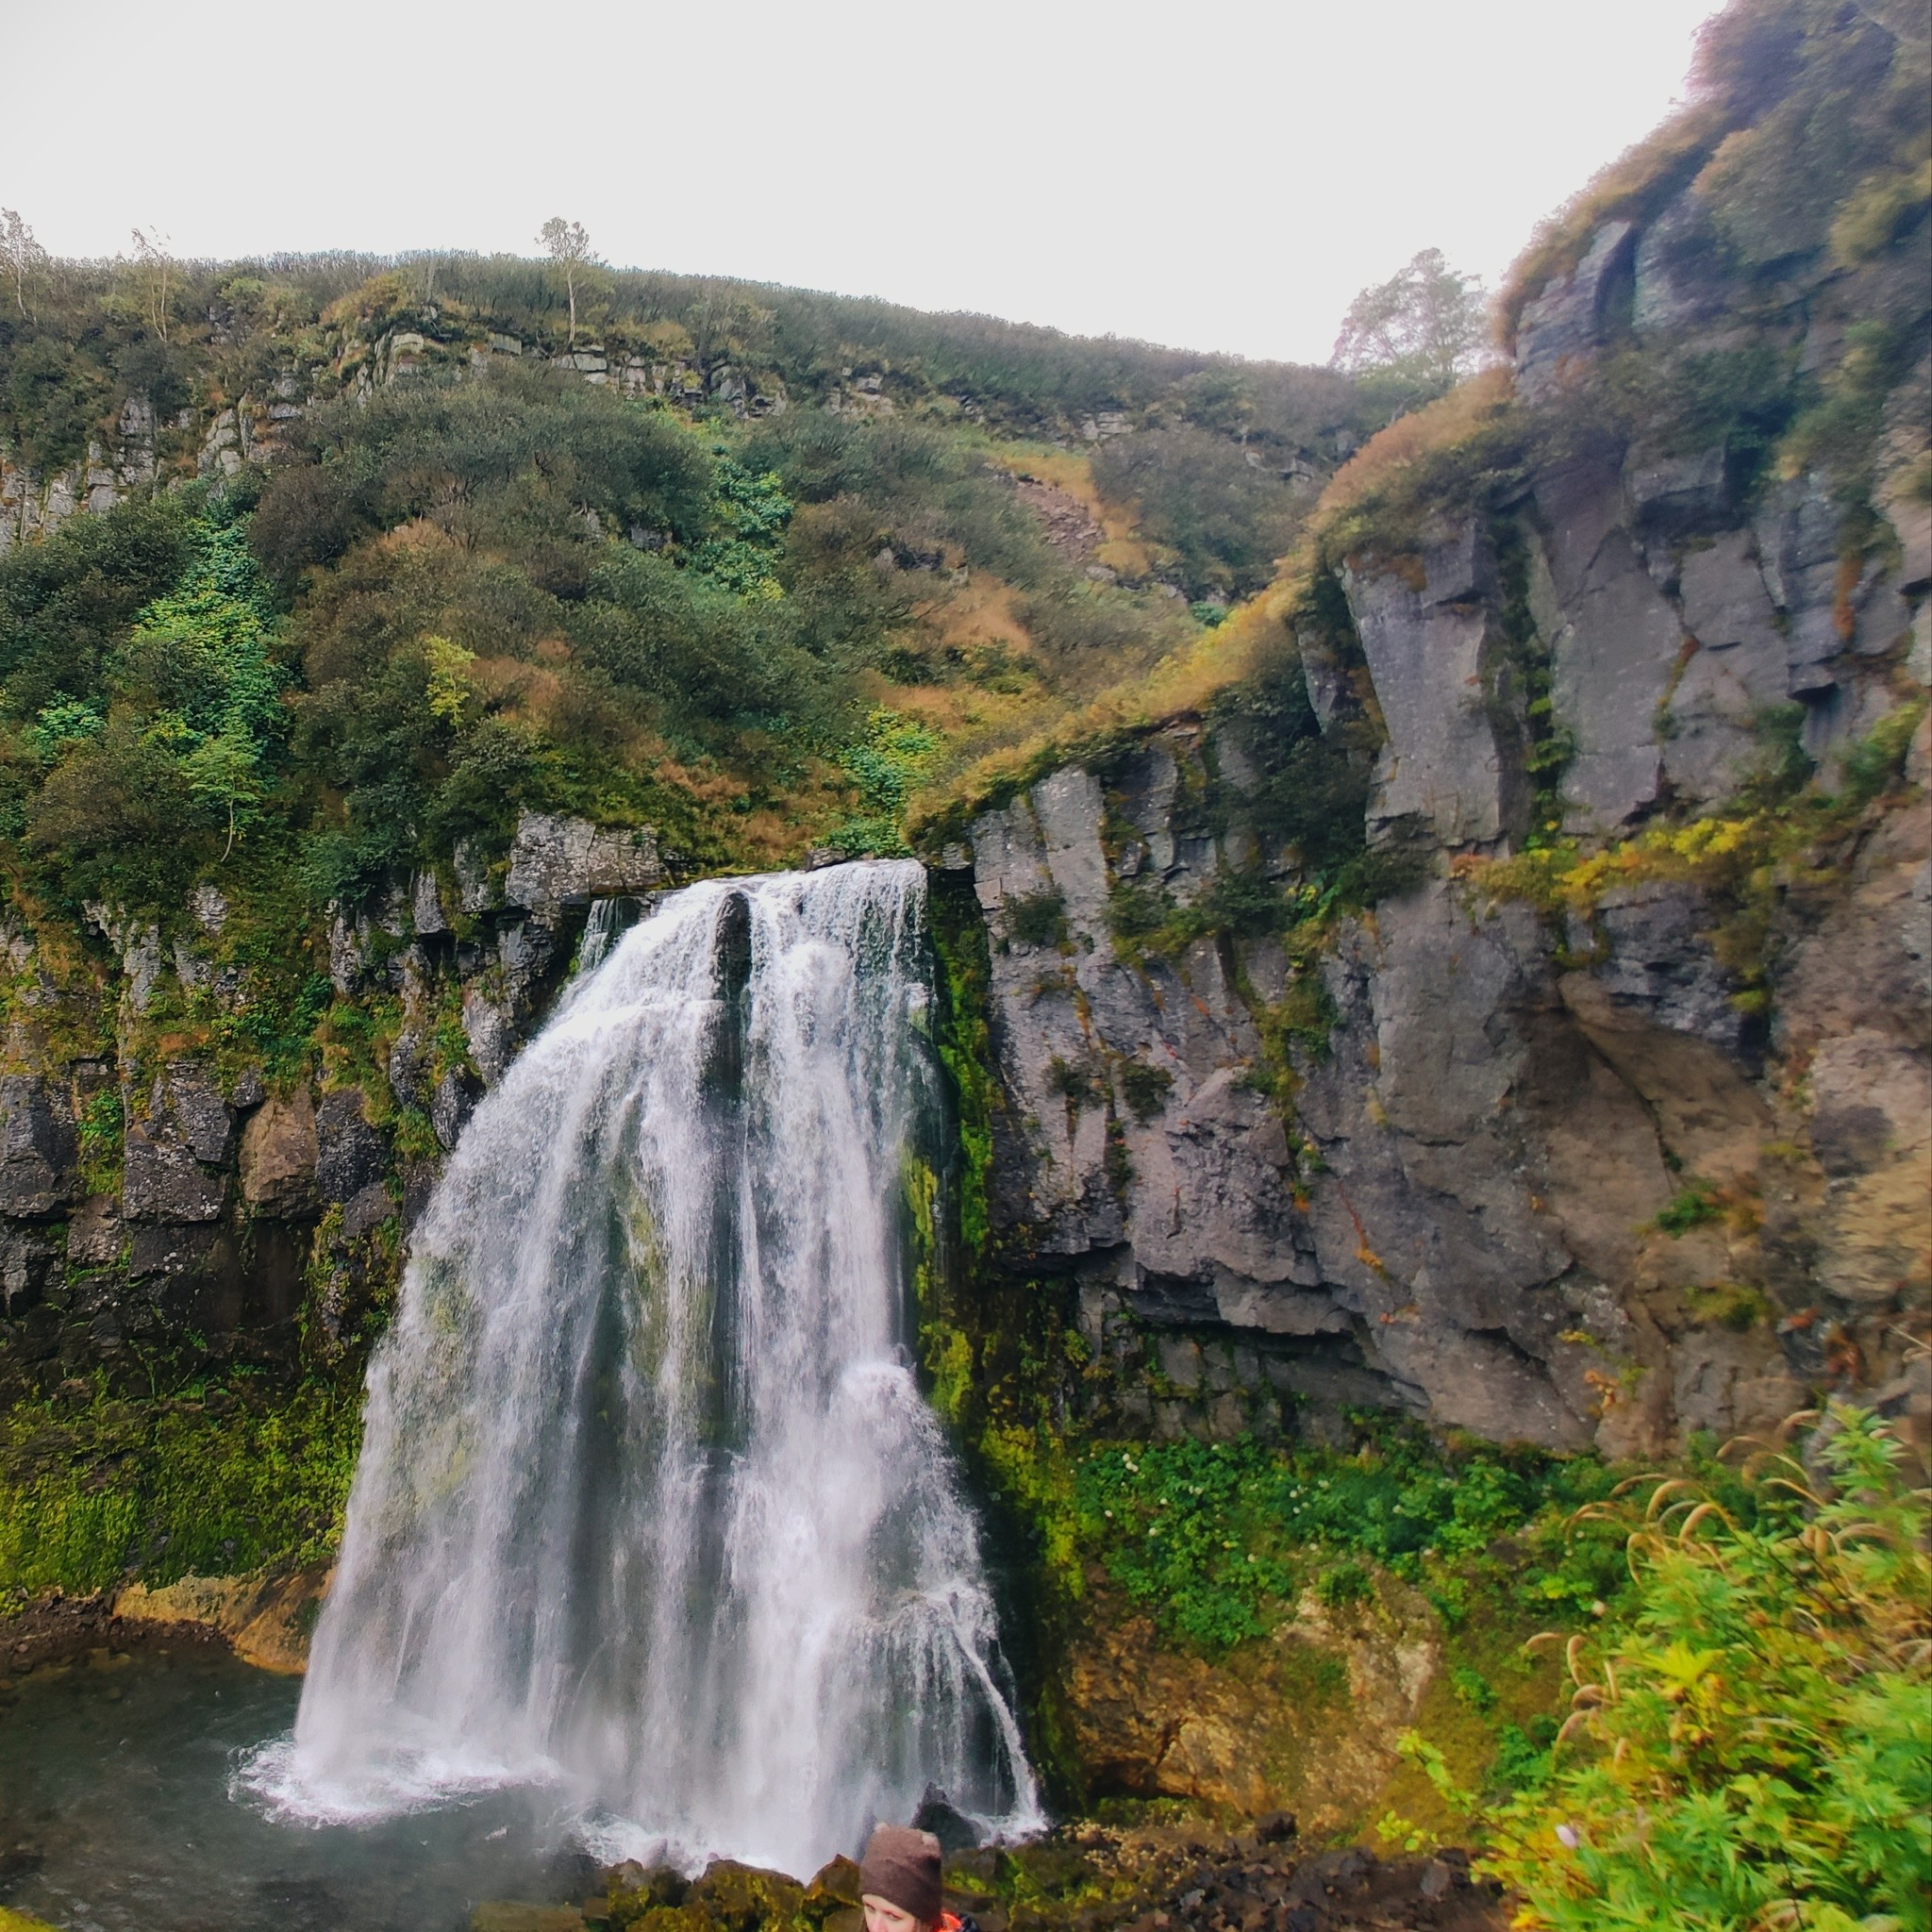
pixel 349 1152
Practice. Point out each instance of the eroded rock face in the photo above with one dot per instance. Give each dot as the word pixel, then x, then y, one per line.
pixel 208 1240
pixel 37 1149
pixel 1434 654
pixel 1559 1181
pixel 1259 1732
pixel 1450 1203
pixel 1563 329
pixel 557 863
pixel 349 1154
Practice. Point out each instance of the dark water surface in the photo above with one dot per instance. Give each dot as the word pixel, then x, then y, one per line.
pixel 115 1816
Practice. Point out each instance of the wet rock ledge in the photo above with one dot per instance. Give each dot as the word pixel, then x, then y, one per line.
pixel 1084 1878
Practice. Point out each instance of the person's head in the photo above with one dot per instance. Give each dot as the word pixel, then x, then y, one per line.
pixel 899 1881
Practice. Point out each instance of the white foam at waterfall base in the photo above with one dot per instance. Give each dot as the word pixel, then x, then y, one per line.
pixel 649 1507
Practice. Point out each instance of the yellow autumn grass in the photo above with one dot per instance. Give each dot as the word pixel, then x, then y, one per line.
pixel 1390 457
pixel 1181 687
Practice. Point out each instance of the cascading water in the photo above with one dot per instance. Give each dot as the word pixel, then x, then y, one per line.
pixel 649 1505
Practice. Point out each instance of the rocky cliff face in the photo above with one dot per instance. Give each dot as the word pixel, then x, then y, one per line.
pixel 1616 1168
pixel 220 1204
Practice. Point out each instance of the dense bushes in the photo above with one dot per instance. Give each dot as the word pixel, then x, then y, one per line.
pixel 1751 1740
pixel 1225 518
pixel 139 748
pixel 529 461
pixel 1218 1538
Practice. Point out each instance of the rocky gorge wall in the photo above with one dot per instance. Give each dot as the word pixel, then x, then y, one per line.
pixel 1606 1166
pixel 173 1191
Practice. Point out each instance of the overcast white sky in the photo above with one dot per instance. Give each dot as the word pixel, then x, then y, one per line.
pixel 1219 174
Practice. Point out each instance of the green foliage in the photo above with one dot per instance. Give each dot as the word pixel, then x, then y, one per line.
pixel 1870 766
pixel 1194 492
pixel 174 744
pixel 1146 922
pixel 1416 334
pixel 1076 1085
pixel 1145 1088
pixel 1038 919
pixel 512 459
pixel 1734 1305
pixel 1752 1744
pixel 748 515
pixel 1215 1538
pixel 64 600
pixel 103 1127
pixel 884 766
pixel 963 977
pixel 217 1480
pixel 1696 1203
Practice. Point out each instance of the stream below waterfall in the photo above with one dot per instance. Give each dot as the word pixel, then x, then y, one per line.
pixel 119 1813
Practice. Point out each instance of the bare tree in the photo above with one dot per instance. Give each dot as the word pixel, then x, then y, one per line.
pixel 21 255
pixel 1423 327
pixel 569 243
pixel 157 270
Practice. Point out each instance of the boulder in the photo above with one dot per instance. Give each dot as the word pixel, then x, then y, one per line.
pixel 1668 290
pixel 1259 1732
pixel 476 889
pixel 349 1153
pixel 450 1108
pixel 28 1257
pixel 266 1616
pixel 489 1028
pixel 426 907
pixel 162 1181
pixel 39 1149
pixel 1562 328
pixel 366 1211
pixel 278 1158
pixel 1615 645
pixel 557 863
pixel 1797 534
pixel 199 1114
pixel 93 1234
pixel 1679 495
pixel 1660 964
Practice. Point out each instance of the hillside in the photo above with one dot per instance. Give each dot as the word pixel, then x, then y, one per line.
pixel 689 554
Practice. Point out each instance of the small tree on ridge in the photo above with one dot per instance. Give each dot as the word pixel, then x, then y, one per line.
pixel 151 249
pixel 569 243
pixel 1422 330
pixel 21 253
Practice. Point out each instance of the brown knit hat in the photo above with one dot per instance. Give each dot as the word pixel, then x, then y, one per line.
pixel 902 1866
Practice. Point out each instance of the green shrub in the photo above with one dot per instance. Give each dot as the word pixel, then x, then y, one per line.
pixel 1752 1746
pixel 1347 1583
pixel 1696 1203
pixel 1213 1537
pixel 1145 1088
pixel 215 1481
pixel 1038 919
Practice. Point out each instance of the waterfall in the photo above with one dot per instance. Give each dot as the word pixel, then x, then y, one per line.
pixel 649 1505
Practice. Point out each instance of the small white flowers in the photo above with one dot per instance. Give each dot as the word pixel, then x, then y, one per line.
pixel 1567 1837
